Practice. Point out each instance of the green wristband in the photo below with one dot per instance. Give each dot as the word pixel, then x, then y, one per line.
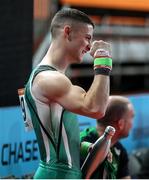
pixel 103 61
pixel 85 148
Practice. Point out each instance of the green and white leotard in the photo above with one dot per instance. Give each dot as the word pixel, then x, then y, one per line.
pixel 57 133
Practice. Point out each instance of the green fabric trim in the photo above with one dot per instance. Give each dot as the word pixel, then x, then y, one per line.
pixel 84 148
pixel 84 144
pixel 111 170
pixel 103 61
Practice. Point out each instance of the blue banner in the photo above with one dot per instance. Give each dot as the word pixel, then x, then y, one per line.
pixel 18 149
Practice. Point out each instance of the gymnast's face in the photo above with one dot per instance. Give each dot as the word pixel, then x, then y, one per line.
pixel 79 41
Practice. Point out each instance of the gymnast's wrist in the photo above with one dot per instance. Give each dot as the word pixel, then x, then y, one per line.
pixel 102 65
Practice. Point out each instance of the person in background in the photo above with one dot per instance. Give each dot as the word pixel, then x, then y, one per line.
pixel 53 100
pixel 119 114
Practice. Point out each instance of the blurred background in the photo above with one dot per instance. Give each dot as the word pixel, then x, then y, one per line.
pixel 24 40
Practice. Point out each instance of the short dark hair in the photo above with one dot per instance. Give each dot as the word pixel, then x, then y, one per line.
pixel 68 14
pixel 115 111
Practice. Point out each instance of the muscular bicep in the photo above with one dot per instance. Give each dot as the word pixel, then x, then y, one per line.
pixel 56 87
pixel 66 94
pixel 77 101
pixel 74 99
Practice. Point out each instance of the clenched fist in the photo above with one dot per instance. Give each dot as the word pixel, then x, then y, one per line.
pixel 100 45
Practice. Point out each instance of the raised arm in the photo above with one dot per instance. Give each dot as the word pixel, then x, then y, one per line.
pixel 55 86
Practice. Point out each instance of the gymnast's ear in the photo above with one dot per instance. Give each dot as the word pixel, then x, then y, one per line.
pixel 67 32
pixel 120 124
